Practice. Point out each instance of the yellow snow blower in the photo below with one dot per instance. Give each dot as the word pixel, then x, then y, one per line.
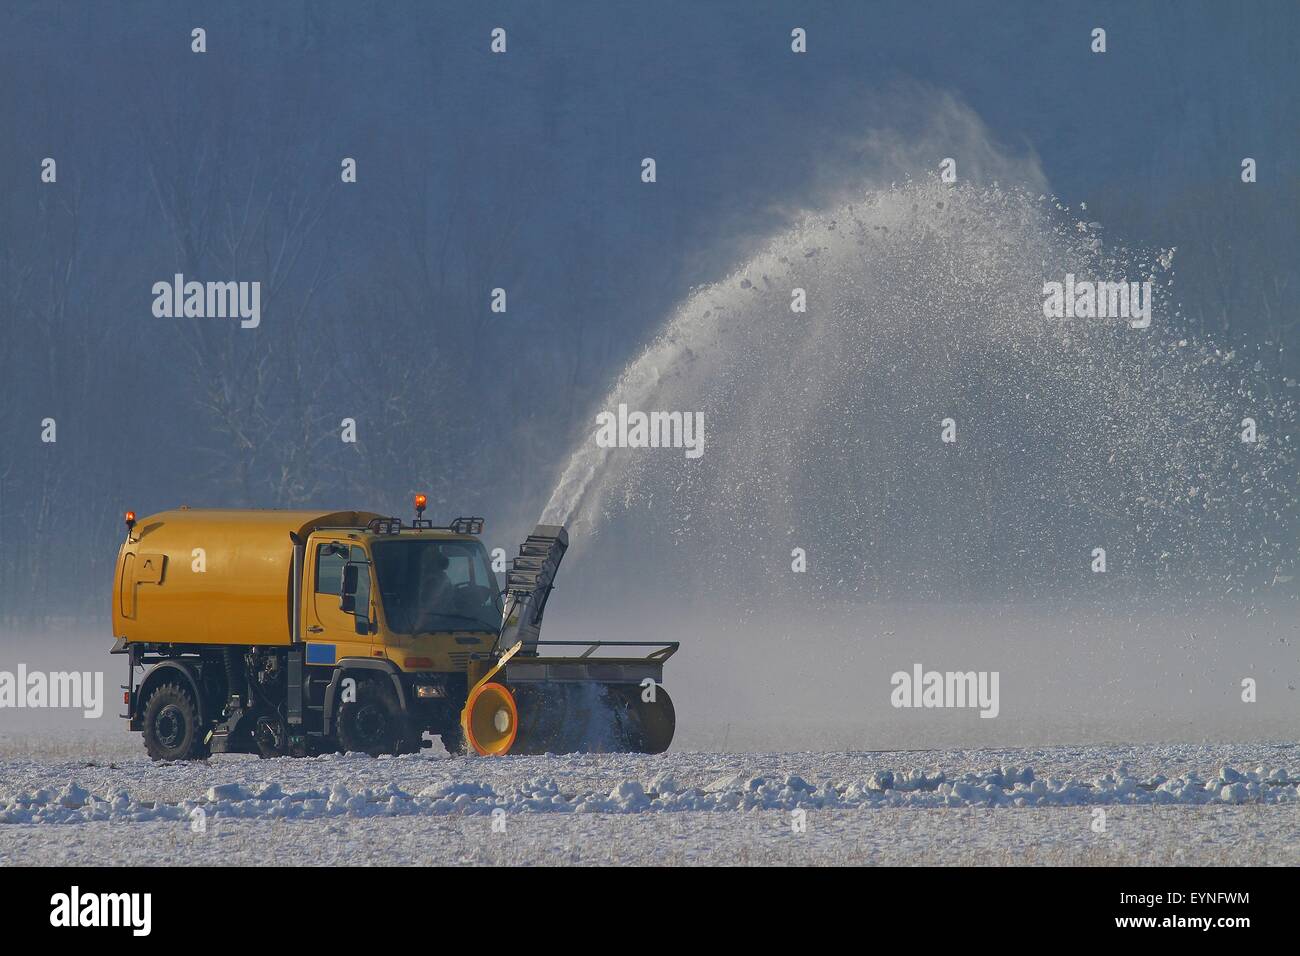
pixel 301 632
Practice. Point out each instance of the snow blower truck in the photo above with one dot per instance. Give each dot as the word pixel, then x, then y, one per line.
pixel 294 633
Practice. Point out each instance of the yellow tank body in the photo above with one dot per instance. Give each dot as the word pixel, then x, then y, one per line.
pixel 213 576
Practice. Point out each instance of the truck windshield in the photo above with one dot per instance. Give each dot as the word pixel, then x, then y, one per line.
pixel 436 585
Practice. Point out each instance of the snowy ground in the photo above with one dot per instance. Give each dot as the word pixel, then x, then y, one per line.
pixel 78 802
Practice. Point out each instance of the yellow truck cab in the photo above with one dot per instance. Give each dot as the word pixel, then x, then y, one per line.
pixel 287 633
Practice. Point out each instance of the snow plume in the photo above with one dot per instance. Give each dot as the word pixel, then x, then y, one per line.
pixel 924 430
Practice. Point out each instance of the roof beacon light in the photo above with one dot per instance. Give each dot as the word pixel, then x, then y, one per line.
pixel 421 522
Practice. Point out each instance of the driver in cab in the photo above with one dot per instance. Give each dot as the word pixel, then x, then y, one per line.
pixel 436 594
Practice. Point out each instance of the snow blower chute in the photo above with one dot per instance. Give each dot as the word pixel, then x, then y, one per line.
pixel 599 701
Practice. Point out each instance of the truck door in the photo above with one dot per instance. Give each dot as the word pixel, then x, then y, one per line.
pixel 331 633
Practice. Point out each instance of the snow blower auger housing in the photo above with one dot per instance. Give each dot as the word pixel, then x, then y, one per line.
pixel 529 703
pixel 288 633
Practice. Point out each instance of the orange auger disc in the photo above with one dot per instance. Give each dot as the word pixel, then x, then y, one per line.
pixel 491 719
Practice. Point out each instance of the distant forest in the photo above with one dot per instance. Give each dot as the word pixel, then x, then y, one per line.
pixel 518 172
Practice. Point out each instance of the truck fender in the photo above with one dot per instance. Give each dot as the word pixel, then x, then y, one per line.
pixel 354 664
pixel 186 672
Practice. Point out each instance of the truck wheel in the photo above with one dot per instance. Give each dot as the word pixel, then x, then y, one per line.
pixel 374 722
pixel 171 725
pixel 453 740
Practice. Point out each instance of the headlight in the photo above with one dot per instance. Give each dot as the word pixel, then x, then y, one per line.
pixel 429 690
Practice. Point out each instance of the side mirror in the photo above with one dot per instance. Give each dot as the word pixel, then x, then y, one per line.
pixel 348 589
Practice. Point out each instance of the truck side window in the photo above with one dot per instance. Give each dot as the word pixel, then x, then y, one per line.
pixel 329 569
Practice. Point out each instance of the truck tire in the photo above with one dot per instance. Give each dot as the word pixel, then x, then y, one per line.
pixel 453 740
pixel 374 722
pixel 171 725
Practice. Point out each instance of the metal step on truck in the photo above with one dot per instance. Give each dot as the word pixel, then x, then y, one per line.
pixel 293 633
